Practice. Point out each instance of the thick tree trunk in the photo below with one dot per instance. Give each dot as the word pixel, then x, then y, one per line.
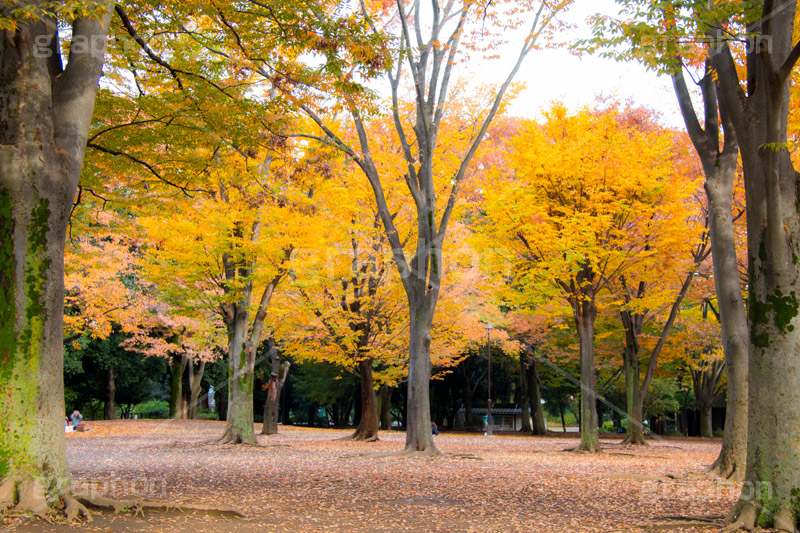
pixel 769 495
pixel 177 403
pixel 418 430
pixel 195 388
pixel 239 424
pixel 110 410
pixel 535 395
pixel 368 425
pixel 45 112
pixel 585 314
pixel 386 407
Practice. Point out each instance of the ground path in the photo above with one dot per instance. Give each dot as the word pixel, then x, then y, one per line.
pixel 307 480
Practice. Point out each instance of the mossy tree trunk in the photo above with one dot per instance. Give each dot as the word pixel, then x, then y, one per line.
pixel 243 340
pixel 45 112
pixel 759 113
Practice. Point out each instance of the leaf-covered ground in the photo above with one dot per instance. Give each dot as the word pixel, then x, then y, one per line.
pixel 309 480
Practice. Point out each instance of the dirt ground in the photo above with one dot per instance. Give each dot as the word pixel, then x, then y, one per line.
pixel 309 480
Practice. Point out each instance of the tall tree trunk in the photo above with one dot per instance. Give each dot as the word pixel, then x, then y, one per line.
pixel 585 313
pixel 239 424
pixel 195 388
pixel 719 168
pixel 634 427
pixel 386 407
pixel 535 395
pixel 45 113
pixel 563 419
pixel 368 425
pixel 523 396
pixel 177 405
pixel 769 496
pixel 719 184
pixel 110 410
pixel 418 430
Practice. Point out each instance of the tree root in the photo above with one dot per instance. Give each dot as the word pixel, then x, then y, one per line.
pixel 360 437
pixel 139 507
pixel 630 441
pixel 742 517
pixel 730 472
pixel 74 509
pixel 28 496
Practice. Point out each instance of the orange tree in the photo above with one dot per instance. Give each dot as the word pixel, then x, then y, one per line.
pixel 571 225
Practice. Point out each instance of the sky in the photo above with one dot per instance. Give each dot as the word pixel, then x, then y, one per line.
pixel 577 81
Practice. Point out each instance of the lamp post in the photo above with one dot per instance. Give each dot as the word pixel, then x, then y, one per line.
pixel 489 329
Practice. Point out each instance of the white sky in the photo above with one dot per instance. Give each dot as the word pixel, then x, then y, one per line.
pixel 558 75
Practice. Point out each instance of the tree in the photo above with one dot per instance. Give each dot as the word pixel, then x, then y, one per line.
pixel 759 115
pixel 429 48
pixel 665 38
pixel 46 109
pixel 573 226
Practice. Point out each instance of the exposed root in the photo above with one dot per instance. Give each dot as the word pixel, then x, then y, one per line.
pixel 633 441
pixel 403 454
pixel 7 490
pixel 28 496
pixel 74 509
pixel 139 507
pixel 32 498
pixel 742 517
pixel 361 437
pixel 726 471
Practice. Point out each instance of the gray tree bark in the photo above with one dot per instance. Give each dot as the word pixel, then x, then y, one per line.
pixel 45 112
pixel 719 166
pixel 277 378
pixel 760 120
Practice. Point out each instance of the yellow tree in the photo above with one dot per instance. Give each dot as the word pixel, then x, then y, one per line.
pixel 227 253
pixel 571 224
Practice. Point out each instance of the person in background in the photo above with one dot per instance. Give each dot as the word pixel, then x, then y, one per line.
pixel 76 418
